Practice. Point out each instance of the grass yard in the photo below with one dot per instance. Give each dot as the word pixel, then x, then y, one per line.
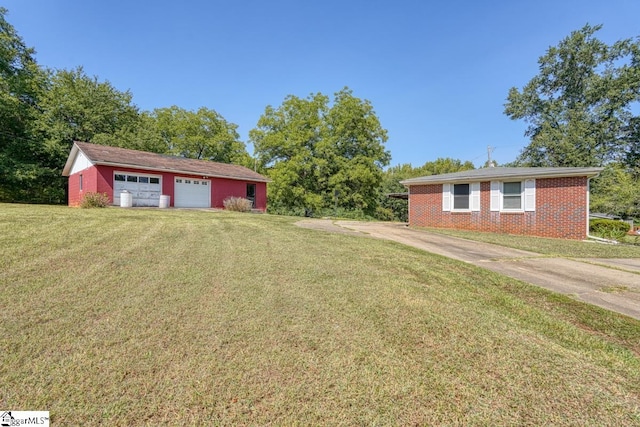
pixel 555 247
pixel 134 317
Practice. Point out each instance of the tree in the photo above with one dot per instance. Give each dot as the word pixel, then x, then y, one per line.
pixel 354 153
pixel 579 107
pixel 77 107
pixel 142 134
pixel 392 176
pixel 617 192
pixel 22 83
pixel 203 134
pixel 319 154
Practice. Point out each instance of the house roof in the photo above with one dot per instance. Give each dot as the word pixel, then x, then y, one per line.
pixel 488 174
pixel 123 157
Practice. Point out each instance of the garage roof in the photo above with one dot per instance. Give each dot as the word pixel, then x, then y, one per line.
pixel 123 157
pixel 488 174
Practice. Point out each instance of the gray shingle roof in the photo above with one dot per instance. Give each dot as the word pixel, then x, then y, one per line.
pixel 488 174
pixel 123 157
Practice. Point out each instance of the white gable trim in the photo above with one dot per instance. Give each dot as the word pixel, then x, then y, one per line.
pixel 80 163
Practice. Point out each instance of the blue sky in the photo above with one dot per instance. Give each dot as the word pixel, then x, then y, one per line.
pixel 437 73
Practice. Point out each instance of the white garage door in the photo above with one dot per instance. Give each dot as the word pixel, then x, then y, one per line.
pixel 145 189
pixel 192 193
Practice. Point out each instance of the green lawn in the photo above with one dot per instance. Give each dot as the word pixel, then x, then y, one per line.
pixel 130 317
pixel 555 247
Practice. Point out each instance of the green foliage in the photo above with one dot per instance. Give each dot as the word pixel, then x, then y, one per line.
pixel 579 107
pixel 143 134
pixel 237 204
pixel 202 134
pixel 391 184
pixel 609 228
pixel 76 107
pixel 22 83
pixel 94 200
pixel 317 154
pixel 616 191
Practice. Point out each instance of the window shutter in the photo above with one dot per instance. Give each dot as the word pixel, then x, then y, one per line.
pixel 495 196
pixel 530 195
pixel 475 196
pixel 446 197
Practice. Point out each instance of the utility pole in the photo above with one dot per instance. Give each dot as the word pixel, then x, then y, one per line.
pixel 489 151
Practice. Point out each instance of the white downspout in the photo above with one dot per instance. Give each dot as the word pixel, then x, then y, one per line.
pixel 589 236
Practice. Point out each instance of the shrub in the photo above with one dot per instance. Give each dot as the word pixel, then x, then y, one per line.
pixel 94 200
pixel 384 214
pixel 609 228
pixel 237 204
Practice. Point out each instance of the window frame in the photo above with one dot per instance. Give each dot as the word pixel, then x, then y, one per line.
pixel 463 197
pixel 504 195
pixel 449 196
pixel 527 196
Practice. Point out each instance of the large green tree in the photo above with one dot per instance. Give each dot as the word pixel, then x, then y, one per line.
pixel 616 192
pixel 582 111
pixel 22 83
pixel 77 107
pixel 141 134
pixel 321 154
pixel 203 134
pixel 580 105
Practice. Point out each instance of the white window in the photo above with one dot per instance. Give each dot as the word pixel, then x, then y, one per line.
pixel 513 196
pixel 461 197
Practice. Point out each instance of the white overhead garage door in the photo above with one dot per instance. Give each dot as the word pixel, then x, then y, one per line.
pixel 145 189
pixel 192 193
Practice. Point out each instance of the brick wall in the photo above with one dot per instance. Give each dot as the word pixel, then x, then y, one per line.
pixel 561 210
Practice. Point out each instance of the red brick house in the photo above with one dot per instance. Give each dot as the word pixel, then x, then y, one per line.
pixel 545 202
pixel 189 183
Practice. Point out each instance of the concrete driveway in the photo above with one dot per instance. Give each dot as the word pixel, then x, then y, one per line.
pixel 613 284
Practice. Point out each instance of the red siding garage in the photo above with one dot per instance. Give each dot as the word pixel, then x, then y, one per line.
pixel 147 176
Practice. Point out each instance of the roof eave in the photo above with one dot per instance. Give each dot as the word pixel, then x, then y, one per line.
pixel 417 181
pixel 186 172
